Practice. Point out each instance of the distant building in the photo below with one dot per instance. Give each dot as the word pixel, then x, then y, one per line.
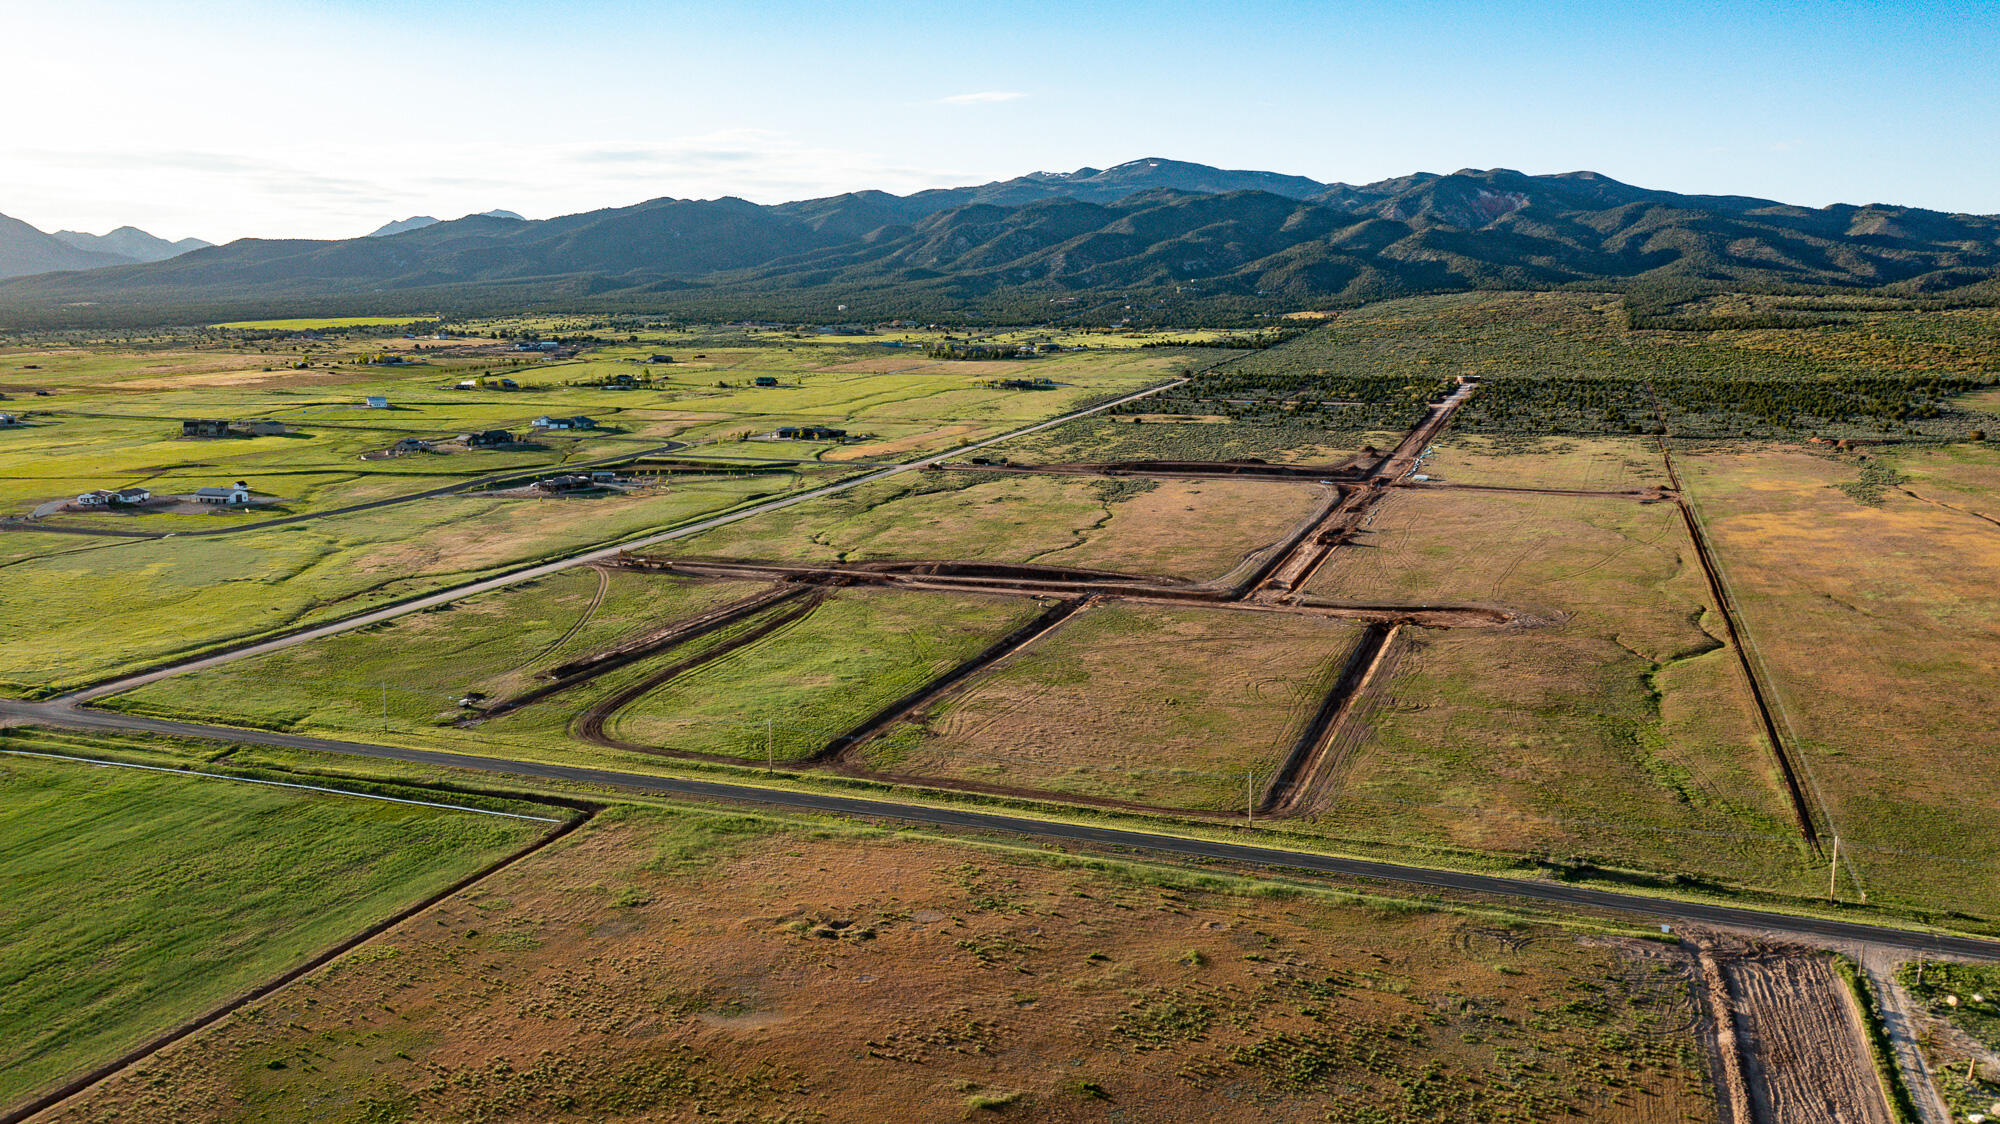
pixel 810 433
pixel 205 427
pixel 378 402
pixel 603 476
pixel 411 445
pixel 566 483
pixel 235 495
pixel 661 359
pixel 486 438
pixel 262 428
pixel 122 497
pixel 7 420
pixel 579 422
pixel 766 380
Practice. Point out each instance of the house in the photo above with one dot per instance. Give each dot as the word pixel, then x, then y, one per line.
pixel 603 476
pixel 788 433
pixel 122 497
pixel 486 438
pixel 579 422
pixel 661 359
pixel 378 402
pixel 767 380
pixel 7 420
pixel 235 495
pixel 568 482
pixel 810 433
pixel 262 428
pixel 204 427
pixel 410 445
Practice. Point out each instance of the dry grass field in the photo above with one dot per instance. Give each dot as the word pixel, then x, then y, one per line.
pixel 1167 707
pixel 1872 610
pixel 689 966
pixel 1613 727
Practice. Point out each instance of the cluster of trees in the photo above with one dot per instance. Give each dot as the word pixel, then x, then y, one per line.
pixel 1717 407
pixel 981 351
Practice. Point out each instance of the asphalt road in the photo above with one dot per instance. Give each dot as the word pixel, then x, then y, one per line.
pixel 596 554
pixel 1808 930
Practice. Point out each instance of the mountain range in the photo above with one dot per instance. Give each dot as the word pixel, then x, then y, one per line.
pixel 25 250
pixel 1163 239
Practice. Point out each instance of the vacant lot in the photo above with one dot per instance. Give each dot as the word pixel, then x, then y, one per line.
pixel 1195 530
pixel 816 677
pixel 125 606
pixel 1615 729
pixel 659 966
pixel 1869 601
pixel 1166 707
pixel 408 674
pixel 1581 463
pixel 135 900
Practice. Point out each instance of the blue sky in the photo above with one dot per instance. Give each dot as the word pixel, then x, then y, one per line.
pixel 223 119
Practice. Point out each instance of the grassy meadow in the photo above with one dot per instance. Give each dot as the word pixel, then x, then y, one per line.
pixel 136 900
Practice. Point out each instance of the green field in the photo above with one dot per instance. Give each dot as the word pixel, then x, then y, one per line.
pixel 136 900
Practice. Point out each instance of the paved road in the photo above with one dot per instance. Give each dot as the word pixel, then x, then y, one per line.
pixel 595 554
pixel 1808 930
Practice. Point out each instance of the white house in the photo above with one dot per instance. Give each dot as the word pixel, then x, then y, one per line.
pixel 234 495
pixel 547 422
pixel 119 498
pixel 9 419
pixel 378 402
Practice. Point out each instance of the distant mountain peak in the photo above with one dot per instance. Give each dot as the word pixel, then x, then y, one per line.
pixel 130 243
pixel 414 222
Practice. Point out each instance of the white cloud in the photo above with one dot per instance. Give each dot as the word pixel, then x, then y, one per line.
pixel 983 97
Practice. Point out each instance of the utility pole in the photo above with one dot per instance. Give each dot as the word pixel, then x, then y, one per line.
pixel 385 706
pixel 1250 796
pixel 770 754
pixel 1833 872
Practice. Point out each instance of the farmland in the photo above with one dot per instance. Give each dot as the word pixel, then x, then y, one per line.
pixel 199 888
pixel 662 965
pixel 1690 602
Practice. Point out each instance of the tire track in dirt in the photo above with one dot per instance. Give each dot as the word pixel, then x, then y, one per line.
pixel 1304 781
pixel 589 611
pixel 1804 1057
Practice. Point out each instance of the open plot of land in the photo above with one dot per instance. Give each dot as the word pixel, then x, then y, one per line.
pixel 1872 613
pixel 1192 530
pixel 417 667
pixel 136 900
pixel 1169 707
pixel 1617 730
pixel 1958 1029
pixel 656 966
pixel 1805 1055
pixel 817 676
pixel 144 601
pixel 1556 463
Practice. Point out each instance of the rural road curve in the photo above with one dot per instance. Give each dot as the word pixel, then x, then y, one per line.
pixel 594 554
pixel 1804 929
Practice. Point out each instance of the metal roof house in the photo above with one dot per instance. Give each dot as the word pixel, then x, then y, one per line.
pixel 377 402
pixel 121 497
pixel 578 422
pixel 235 495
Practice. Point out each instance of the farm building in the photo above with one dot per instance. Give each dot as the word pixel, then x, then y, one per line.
pixel 661 359
pixel 578 422
pixel 7 420
pixel 603 476
pixel 569 482
pixel 486 438
pixel 766 380
pixel 122 497
pixel 377 402
pixel 205 427
pixel 232 496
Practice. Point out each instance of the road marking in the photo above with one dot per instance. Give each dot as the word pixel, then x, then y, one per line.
pixel 275 784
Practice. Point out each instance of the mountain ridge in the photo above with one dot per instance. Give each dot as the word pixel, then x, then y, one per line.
pixel 1163 232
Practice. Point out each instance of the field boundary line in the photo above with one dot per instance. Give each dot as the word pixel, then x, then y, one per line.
pixel 275 784
pixel 283 638
pixel 291 975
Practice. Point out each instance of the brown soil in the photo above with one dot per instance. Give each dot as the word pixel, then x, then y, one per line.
pixel 674 967
pixel 1805 1060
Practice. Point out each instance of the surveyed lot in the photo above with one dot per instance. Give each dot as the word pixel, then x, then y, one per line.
pixel 1870 605
pixel 1610 724
pixel 197 889
pixel 656 966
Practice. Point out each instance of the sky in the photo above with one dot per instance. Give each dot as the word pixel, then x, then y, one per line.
pixel 324 119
